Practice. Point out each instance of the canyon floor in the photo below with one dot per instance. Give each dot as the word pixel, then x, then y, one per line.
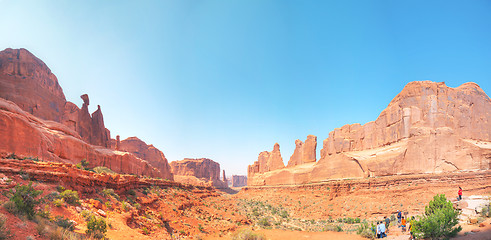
pixel 143 208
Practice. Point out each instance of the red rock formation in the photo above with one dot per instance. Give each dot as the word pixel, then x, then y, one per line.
pixel 267 161
pixel 39 122
pixel 224 178
pixel 239 181
pixel 27 81
pixel 26 135
pixel 427 128
pixel 304 153
pixel 202 168
pixel 147 152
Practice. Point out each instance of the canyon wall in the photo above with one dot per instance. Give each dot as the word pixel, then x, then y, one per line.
pixel 200 171
pixel 427 128
pixel 37 121
pixel 239 181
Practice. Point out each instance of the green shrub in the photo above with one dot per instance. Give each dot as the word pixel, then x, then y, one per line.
pixel 333 228
pixel 264 222
pixel 366 230
pixel 65 223
pixel 439 220
pixel 4 232
pixel 71 197
pixel 58 202
pixel 284 214
pixel 96 227
pixel 107 192
pixel 25 199
pixel 486 210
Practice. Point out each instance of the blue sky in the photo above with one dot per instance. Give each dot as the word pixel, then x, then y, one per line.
pixel 227 79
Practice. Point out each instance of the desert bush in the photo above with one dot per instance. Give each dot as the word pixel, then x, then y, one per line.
pixel 247 234
pixel 333 228
pixel 45 213
pixel 264 222
pixel 125 206
pixel 131 192
pixel 71 197
pixel 96 227
pixel 284 214
pixel 107 192
pixel 486 210
pixel 10 207
pixel 65 223
pixel 58 202
pixel 25 199
pixel 366 230
pixel 439 220
pixel 4 232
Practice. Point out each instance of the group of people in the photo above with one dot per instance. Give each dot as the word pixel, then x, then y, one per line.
pixel 383 226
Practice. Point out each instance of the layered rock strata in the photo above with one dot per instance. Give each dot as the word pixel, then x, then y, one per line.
pixel 198 171
pixel 427 128
pixel 37 121
pixel 304 152
pixel 239 181
pixel 148 152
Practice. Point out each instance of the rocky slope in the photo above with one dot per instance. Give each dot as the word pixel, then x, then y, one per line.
pixel 202 171
pixel 37 121
pixel 427 128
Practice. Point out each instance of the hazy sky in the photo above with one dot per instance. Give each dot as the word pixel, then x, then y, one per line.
pixel 227 79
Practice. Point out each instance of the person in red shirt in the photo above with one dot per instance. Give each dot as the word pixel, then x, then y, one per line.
pixel 460 193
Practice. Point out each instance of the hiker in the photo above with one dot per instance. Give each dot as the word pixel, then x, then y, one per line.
pixel 403 224
pixel 387 224
pixel 399 215
pixel 460 194
pixel 381 230
pixel 411 228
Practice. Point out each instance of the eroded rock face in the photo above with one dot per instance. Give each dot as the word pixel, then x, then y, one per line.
pixel 201 168
pixel 304 152
pixel 267 161
pixel 28 136
pixel 239 181
pixel 146 152
pixel 427 128
pixel 37 121
pixel 27 81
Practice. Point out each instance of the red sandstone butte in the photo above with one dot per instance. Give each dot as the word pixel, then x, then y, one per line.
pixel 304 152
pixel 239 181
pixel 37 121
pixel 198 171
pixel 149 153
pixel 427 128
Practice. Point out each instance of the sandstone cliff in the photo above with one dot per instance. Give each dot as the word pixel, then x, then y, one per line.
pixel 267 161
pixel 427 128
pixel 304 152
pixel 198 171
pixel 239 181
pixel 149 153
pixel 37 121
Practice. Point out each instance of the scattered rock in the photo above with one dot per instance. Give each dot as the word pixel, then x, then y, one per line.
pixel 101 213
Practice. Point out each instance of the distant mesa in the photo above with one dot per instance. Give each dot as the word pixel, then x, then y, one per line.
pixel 239 181
pixel 200 171
pixel 37 121
pixel 427 128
